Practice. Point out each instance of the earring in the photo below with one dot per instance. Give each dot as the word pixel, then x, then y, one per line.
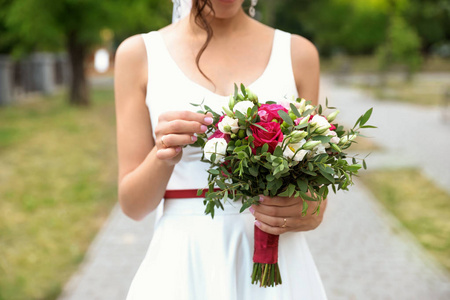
pixel 251 10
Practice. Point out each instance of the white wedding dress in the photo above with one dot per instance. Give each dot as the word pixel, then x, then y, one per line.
pixel 192 256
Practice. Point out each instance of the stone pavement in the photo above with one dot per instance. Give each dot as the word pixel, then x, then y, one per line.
pixel 360 250
pixel 411 135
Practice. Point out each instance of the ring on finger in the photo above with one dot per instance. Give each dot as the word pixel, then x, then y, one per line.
pixel 284 224
pixel 162 142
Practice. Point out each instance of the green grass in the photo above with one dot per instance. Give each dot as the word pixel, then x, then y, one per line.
pixel 421 207
pixel 57 185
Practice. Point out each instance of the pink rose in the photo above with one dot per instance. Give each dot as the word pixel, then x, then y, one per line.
pixel 268 112
pixel 271 137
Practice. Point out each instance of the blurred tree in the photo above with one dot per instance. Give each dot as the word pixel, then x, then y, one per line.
pixel 360 26
pixel 402 46
pixel 352 26
pixel 431 19
pixel 75 25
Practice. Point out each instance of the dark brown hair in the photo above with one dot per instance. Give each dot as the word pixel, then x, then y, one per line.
pixel 201 10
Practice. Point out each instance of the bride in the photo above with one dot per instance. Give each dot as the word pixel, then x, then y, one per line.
pixel 199 58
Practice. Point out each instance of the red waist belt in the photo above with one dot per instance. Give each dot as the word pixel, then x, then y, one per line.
pixel 174 194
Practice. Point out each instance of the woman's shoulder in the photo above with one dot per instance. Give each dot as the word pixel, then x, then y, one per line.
pixel 303 49
pixel 132 48
pixel 131 58
pixel 304 54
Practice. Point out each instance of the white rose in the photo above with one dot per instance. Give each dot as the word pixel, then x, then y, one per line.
pixel 320 149
pixel 217 146
pixel 232 123
pixel 243 106
pixel 320 121
pixel 334 139
pixel 291 151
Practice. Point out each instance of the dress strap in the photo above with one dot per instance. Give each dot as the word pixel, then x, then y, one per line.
pixel 282 62
pixel 279 72
pixel 155 51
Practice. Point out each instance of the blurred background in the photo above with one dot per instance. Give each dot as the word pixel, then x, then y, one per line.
pixel 58 167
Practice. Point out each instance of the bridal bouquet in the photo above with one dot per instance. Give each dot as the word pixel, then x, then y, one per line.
pixel 288 149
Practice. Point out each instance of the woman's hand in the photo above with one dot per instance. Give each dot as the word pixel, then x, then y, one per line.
pixel 176 129
pixel 278 215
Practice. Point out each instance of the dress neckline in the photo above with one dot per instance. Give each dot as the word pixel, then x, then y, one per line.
pixel 198 85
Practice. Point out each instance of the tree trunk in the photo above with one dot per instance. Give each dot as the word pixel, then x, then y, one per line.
pixel 79 90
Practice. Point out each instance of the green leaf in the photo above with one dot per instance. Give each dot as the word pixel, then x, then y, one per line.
pixel 213 171
pixel 199 192
pixel 260 127
pixel 326 169
pixel 354 168
pixel 245 205
pixel 285 117
pixel 305 208
pixel 327 176
pixel 306 197
pixel 278 151
pixel 253 171
pixel 236 91
pixel 270 177
pixel 320 109
pixel 295 110
pixel 265 148
pixel 364 164
pixel 239 115
pixel 240 148
pixel 302 185
pixel 243 90
pixel 309 172
pixel 288 192
pixel 321 138
pixel 366 117
pixel 221 184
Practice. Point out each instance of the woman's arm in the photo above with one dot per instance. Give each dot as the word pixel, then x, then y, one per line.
pixel 306 67
pixel 145 166
pixel 142 177
pixel 271 212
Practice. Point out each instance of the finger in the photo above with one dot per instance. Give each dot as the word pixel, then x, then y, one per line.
pixel 187 116
pixel 270 229
pixel 168 153
pixel 278 211
pixel 274 221
pixel 173 140
pixel 183 127
pixel 279 201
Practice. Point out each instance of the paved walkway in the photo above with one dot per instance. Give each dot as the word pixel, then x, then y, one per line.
pixel 361 251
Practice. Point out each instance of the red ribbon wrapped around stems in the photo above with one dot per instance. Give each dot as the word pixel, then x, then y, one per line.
pixel 265 259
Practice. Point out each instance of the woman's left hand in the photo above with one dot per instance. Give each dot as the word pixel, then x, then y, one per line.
pixel 279 215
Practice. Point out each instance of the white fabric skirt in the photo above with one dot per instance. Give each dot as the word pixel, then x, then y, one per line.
pixel 194 257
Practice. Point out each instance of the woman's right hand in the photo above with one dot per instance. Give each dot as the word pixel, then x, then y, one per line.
pixel 176 129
